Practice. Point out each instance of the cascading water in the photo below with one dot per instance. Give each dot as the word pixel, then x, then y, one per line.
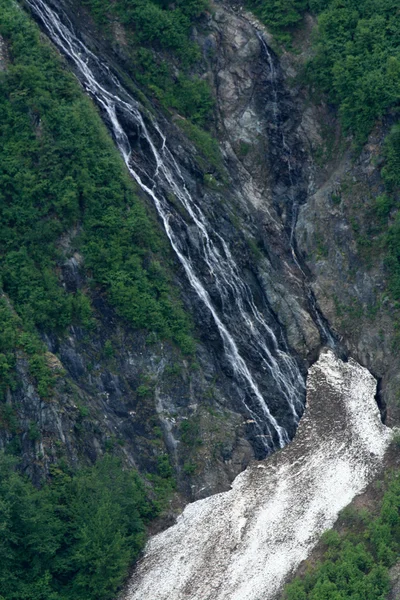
pixel 208 263
pixel 323 327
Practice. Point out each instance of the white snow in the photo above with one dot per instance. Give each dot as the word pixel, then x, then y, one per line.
pixel 243 544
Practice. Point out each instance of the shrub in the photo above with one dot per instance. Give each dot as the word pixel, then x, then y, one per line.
pixel 356 564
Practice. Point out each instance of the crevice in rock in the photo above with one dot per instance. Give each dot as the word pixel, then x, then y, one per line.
pixel 380 399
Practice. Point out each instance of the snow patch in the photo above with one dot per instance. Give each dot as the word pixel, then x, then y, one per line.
pixel 244 543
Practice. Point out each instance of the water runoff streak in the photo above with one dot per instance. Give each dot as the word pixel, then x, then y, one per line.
pixel 322 325
pixel 208 264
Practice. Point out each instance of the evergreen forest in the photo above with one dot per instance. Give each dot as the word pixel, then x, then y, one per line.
pixel 60 175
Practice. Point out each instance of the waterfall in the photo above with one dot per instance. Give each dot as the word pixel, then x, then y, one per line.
pixel 245 329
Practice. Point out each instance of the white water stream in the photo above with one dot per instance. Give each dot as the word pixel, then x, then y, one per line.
pixel 242 544
pixel 159 175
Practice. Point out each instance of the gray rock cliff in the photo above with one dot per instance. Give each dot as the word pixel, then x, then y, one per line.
pixel 288 222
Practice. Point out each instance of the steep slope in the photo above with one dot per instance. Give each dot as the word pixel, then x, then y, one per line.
pixel 250 306
pixel 246 208
pixel 96 383
pixel 268 137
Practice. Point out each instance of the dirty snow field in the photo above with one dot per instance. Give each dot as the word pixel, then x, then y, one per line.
pixel 242 544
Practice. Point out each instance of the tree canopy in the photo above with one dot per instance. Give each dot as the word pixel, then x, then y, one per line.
pixel 74 538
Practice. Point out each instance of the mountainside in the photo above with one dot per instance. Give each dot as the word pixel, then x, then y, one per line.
pixel 190 212
pixel 239 213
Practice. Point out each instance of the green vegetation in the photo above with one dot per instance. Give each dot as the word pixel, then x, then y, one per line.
pixel 165 24
pixel 60 176
pixel 357 62
pixel 356 65
pixel 281 16
pixel 158 39
pixel 391 170
pixel 379 235
pixel 356 563
pixel 210 156
pixel 357 53
pixel 189 96
pixel 383 207
pixel 163 59
pixel 74 538
pixel 190 432
pixel 13 339
pixel 163 483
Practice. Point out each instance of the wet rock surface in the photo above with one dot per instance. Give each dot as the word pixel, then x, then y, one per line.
pixel 243 544
pixel 253 212
pixel 259 125
pixel 269 135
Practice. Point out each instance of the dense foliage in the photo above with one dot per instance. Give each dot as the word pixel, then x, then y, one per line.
pixel 356 564
pixel 357 60
pixel 357 53
pixel 61 177
pixel 14 337
pixel 74 538
pixel 158 40
pixel 279 15
pixel 162 57
pixel 64 189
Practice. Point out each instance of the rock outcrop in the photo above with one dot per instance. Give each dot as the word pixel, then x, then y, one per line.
pixel 138 397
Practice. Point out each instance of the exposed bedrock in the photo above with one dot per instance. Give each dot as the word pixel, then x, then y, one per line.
pixel 271 208
pixel 237 241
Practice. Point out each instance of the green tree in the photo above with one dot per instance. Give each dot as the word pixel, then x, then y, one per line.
pixel 74 538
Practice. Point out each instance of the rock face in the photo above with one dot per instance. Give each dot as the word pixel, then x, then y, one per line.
pixel 350 284
pixel 243 544
pixel 294 247
pixel 266 151
pixel 127 398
